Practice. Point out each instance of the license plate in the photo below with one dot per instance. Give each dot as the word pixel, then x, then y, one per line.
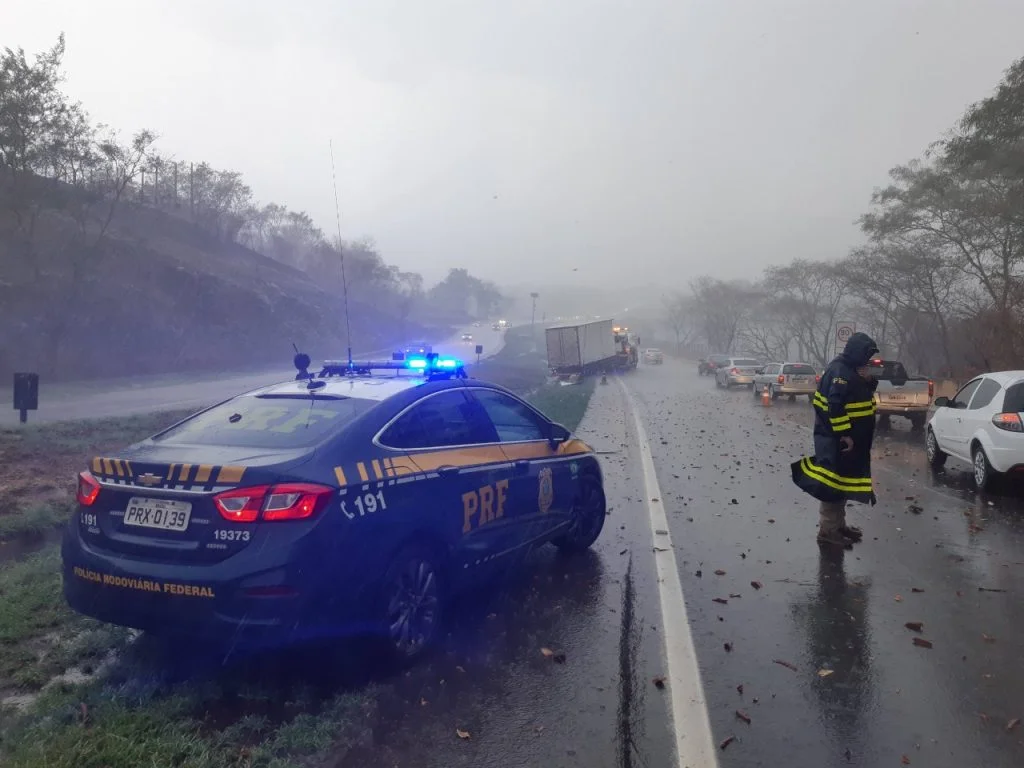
pixel 896 397
pixel 163 514
pixel 799 379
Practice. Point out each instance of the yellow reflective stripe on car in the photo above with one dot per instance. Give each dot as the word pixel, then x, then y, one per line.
pixel 832 480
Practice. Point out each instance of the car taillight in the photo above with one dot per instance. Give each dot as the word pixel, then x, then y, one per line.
pixel 817 378
pixel 88 489
pixel 288 501
pixel 931 389
pixel 782 379
pixel 1008 421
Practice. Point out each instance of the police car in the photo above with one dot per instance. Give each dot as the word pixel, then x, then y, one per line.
pixel 354 501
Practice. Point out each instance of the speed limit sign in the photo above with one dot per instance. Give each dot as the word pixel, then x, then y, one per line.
pixel 843 333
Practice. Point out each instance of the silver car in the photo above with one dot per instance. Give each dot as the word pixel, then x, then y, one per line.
pixel 790 379
pixel 736 371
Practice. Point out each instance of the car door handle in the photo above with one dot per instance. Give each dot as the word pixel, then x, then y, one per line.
pixel 522 467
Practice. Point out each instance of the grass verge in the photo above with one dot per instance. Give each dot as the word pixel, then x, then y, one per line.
pixel 564 404
pixel 39 463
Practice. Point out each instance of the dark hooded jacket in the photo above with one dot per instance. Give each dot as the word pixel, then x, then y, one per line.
pixel 843 407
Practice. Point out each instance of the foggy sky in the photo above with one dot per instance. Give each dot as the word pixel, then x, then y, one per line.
pixel 525 138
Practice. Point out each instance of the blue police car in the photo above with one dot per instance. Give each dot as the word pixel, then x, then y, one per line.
pixel 354 501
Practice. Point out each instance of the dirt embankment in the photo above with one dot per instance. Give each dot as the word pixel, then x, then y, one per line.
pixel 160 296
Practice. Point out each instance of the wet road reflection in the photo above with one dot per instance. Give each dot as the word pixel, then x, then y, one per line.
pixel 854 688
pixel 833 618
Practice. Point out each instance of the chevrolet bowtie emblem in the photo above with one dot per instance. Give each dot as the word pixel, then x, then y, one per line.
pixel 149 480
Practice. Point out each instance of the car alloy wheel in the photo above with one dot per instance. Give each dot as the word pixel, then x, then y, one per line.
pixel 413 598
pixel 982 469
pixel 771 392
pixel 587 517
pixel 936 458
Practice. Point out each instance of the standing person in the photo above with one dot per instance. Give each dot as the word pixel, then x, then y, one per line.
pixel 844 427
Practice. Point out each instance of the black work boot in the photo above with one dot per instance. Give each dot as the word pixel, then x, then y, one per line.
pixel 833 538
pixel 851 533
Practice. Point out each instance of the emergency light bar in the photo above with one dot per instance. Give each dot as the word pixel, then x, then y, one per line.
pixel 433 366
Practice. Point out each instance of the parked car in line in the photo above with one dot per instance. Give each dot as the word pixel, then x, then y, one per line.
pixel 736 372
pixel 707 366
pixel 981 425
pixel 900 394
pixel 653 356
pixel 790 379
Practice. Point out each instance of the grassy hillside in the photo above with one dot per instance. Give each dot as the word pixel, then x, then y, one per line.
pixel 161 295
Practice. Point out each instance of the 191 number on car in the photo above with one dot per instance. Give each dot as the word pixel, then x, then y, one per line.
pixel 231 535
pixel 366 504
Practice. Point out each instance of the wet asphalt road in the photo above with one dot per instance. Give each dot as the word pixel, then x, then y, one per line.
pixel 853 689
pixel 145 394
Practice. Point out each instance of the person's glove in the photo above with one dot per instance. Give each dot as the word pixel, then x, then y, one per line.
pixel 845 444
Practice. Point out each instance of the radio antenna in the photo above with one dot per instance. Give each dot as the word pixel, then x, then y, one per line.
pixel 341 253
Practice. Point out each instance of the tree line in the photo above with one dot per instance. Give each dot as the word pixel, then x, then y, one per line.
pixel 939 282
pixel 64 180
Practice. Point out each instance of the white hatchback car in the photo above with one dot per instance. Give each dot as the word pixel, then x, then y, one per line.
pixel 983 425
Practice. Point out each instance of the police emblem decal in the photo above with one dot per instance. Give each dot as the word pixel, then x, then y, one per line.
pixel 546 493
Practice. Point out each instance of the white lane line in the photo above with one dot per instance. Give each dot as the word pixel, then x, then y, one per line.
pixel 690 724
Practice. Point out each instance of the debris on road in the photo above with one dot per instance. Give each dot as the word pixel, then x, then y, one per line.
pixel 719 572
pixel 721 600
pixel 920 642
pixel 914 626
pixel 756 584
pixel 916 590
pixel 990 589
pixel 728 647
pixel 825 672
pixel 743 716
pixel 659 683
pixel 556 656
pixel 1013 724
pixel 462 734
pixel 785 664
pixel 987 638
pixel 727 742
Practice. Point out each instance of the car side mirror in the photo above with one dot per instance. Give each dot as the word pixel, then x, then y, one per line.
pixel 941 402
pixel 558 435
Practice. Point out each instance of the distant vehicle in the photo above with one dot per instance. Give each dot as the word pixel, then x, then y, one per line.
pixel 476 324
pixel 276 517
pixel 581 348
pixel 627 348
pixel 981 425
pixel 653 356
pixel 707 366
pixel 736 372
pixel 467 337
pixel 418 348
pixel 790 379
pixel 899 394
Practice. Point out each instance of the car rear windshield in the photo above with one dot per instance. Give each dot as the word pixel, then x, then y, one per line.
pixel 892 370
pixel 745 362
pixel 1013 400
pixel 261 421
pixel 799 369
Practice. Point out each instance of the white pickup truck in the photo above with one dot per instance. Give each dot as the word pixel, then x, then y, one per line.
pixel 900 394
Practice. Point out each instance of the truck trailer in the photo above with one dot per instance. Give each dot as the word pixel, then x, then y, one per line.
pixel 581 348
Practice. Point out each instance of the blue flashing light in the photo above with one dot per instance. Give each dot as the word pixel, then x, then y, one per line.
pixel 416 362
pixel 447 362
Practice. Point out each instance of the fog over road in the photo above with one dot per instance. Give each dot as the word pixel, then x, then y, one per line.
pixel 126 396
pixel 817 655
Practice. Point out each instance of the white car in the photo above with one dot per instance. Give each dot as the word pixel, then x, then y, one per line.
pixel 982 425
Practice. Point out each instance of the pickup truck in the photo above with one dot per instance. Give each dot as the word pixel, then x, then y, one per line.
pixel 900 394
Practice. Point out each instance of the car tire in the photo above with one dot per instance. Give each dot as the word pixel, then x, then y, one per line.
pixel 884 423
pixel 917 422
pixel 754 387
pixel 412 601
pixel 936 456
pixel 771 392
pixel 792 398
pixel 984 475
pixel 587 517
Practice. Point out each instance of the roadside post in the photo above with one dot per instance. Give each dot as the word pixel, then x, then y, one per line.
pixel 26 394
pixel 479 351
